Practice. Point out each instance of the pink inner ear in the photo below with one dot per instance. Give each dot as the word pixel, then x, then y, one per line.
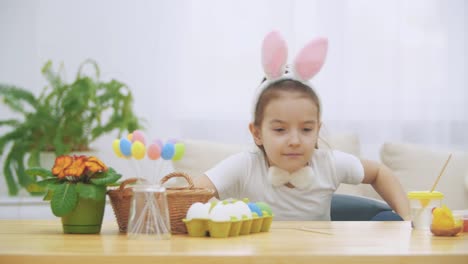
pixel 274 55
pixel 310 59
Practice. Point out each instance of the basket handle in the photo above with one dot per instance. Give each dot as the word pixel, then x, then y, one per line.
pixel 130 181
pixel 127 181
pixel 178 174
pixel 128 191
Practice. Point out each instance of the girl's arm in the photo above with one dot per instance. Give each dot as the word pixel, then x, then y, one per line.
pixel 205 182
pixel 387 186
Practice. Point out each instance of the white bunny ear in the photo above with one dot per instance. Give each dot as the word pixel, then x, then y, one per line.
pixel 274 55
pixel 310 59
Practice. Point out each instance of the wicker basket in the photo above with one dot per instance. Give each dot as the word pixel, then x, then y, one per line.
pixel 181 198
pixel 120 200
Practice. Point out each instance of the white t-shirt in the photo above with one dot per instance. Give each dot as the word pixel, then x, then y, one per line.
pixel 245 175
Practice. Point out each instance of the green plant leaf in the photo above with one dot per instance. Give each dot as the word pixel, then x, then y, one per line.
pixel 64 199
pixel 53 185
pixel 11 137
pixel 15 97
pixel 23 179
pixel 42 186
pixel 90 191
pixel 9 122
pixel 34 160
pixel 90 62
pixel 34 187
pixel 8 173
pixel 53 78
pixel 48 195
pixel 106 178
pixel 41 172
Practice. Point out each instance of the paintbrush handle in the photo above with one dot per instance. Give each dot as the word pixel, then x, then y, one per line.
pixel 441 172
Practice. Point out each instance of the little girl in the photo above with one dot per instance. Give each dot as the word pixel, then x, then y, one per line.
pixel 287 170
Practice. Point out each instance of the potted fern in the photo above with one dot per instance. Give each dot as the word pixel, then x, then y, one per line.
pixel 65 117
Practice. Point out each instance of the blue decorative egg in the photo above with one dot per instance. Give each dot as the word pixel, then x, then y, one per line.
pixel 255 209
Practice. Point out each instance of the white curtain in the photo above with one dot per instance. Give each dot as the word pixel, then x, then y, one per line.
pixel 396 69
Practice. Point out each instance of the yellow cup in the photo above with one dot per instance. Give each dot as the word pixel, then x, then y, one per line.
pixel 422 203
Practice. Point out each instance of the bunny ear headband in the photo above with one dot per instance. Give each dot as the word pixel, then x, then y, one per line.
pixel 306 65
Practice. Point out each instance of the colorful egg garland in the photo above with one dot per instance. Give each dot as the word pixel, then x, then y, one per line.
pixel 134 146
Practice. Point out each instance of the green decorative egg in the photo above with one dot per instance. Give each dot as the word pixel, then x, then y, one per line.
pixel 265 207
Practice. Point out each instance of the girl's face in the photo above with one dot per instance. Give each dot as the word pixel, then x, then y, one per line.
pixel 289 131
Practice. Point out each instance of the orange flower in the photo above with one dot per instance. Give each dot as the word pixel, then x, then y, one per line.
pixel 94 164
pixel 77 167
pixel 61 164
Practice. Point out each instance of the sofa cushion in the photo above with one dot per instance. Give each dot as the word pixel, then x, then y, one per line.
pixel 417 168
pixel 202 155
pixel 346 142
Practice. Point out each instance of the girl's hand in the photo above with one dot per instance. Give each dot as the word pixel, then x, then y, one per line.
pixel 205 182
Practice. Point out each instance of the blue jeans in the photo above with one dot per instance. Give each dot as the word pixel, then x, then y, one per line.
pixel 386 216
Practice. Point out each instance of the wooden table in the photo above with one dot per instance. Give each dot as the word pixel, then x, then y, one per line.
pixel 42 241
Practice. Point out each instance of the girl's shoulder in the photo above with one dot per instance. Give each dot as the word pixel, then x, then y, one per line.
pixel 347 168
pixel 334 156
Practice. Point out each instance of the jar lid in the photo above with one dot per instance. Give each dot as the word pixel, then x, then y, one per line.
pixel 148 188
pixel 425 195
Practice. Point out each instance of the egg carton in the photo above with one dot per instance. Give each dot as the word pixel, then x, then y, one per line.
pixel 222 229
pixel 228 218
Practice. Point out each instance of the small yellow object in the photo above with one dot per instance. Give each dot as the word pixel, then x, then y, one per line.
pixel 442 218
pixel 443 222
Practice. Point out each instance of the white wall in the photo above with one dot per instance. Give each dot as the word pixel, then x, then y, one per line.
pixel 396 70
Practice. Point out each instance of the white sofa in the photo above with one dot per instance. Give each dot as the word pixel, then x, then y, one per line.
pixel 416 166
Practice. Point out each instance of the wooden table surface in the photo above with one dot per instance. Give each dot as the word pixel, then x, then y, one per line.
pixel 42 241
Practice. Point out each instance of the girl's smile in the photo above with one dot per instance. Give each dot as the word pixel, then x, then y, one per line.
pixel 293 155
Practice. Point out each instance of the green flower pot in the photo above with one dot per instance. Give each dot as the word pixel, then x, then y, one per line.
pixel 87 216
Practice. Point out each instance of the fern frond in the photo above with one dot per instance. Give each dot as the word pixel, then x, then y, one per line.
pixel 17 99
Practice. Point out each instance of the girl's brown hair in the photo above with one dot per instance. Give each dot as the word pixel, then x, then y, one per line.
pixel 274 90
